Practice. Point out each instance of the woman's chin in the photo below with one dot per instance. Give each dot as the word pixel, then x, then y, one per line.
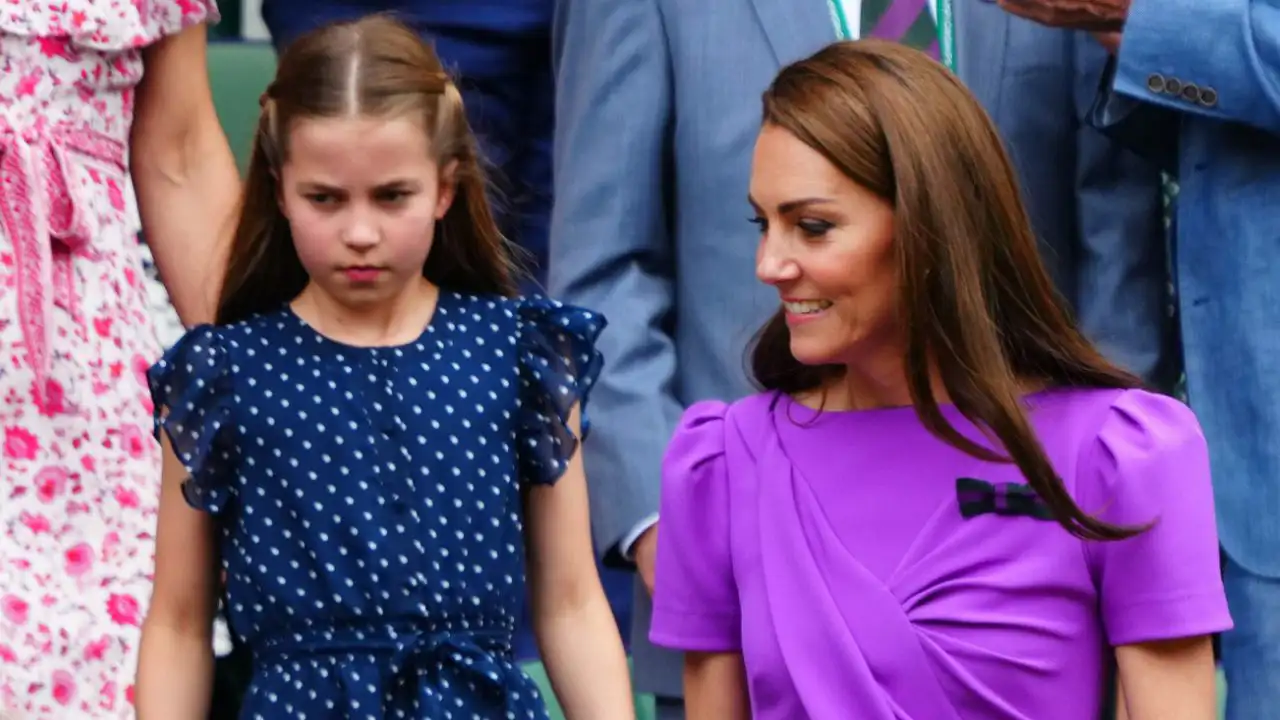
pixel 810 353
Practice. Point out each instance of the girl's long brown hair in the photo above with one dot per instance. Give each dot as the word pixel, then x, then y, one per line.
pixel 975 300
pixel 374 67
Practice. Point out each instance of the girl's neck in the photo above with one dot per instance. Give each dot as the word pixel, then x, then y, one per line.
pixel 397 321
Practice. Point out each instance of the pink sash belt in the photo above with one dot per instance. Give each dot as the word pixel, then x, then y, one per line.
pixel 47 224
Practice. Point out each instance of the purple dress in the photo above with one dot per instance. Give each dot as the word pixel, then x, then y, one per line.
pixel 865 569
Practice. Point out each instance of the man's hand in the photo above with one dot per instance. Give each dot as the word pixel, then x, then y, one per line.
pixel 645 552
pixel 1092 15
pixel 1110 41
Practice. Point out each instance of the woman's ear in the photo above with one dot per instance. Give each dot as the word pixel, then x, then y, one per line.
pixel 448 188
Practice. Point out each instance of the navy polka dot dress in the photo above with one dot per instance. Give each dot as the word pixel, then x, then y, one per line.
pixel 369 499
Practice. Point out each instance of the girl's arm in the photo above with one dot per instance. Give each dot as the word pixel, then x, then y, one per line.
pixel 184 173
pixel 715 687
pixel 572 620
pixel 1168 680
pixel 175 667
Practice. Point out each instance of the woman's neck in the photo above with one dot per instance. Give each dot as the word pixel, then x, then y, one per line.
pixel 870 387
pixel 398 320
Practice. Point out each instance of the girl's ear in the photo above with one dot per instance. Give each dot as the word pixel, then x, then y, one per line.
pixel 448 188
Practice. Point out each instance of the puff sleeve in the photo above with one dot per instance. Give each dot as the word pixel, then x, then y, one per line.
pixel 191 387
pixel 1150 464
pixel 695 603
pixel 558 365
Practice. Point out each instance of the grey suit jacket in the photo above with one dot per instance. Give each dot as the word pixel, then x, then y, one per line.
pixel 658 107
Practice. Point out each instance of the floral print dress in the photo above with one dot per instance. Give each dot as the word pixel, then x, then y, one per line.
pixel 79 471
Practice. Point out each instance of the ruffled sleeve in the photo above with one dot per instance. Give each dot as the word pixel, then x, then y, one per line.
pixel 1150 464
pixel 559 364
pixel 105 26
pixel 191 387
pixel 170 17
pixel 695 602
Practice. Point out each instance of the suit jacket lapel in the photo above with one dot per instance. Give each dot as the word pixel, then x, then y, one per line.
pixel 795 28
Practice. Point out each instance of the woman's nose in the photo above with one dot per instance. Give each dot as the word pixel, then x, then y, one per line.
pixel 773 267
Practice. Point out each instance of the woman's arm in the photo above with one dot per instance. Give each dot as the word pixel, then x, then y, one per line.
pixel 175 667
pixel 715 687
pixel 572 620
pixel 1168 680
pixel 184 173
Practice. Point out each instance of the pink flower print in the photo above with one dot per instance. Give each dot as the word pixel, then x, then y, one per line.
pixel 135 442
pixel 53 401
pixel 20 444
pixel 102 326
pixel 123 609
pixel 115 195
pixel 64 687
pixel 27 83
pixel 127 498
pixel 86 462
pixel 14 609
pixel 109 545
pixel 140 367
pixel 50 482
pixel 57 47
pixel 7 654
pixel 35 522
pixel 190 8
pixel 107 696
pixel 79 560
pixel 97 649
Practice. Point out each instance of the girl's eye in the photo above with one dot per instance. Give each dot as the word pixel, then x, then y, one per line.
pixel 814 228
pixel 392 196
pixel 321 198
pixel 759 222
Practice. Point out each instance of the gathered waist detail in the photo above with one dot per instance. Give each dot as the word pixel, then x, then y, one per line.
pixel 47 221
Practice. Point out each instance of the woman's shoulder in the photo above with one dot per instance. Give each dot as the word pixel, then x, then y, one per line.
pixel 1117 417
pixel 1132 445
pixel 706 426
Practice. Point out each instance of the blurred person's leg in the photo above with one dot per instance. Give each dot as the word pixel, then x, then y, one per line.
pixel 1251 651
pixel 1227 298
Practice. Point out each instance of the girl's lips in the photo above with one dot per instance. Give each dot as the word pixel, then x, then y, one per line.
pixel 362 274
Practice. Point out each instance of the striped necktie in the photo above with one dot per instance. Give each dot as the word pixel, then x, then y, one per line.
pixel 906 21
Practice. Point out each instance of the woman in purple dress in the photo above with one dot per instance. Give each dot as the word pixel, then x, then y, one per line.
pixel 945 504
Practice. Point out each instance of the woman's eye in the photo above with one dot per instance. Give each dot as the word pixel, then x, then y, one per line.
pixel 320 198
pixel 814 228
pixel 759 222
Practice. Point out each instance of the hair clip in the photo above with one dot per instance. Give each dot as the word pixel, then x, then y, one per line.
pixel 979 497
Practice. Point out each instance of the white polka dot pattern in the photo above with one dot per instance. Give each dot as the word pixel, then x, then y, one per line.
pixel 369 502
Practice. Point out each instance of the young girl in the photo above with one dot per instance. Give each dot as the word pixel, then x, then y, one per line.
pixel 368 428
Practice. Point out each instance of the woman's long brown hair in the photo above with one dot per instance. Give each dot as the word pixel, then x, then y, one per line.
pixel 975 299
pixel 373 67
